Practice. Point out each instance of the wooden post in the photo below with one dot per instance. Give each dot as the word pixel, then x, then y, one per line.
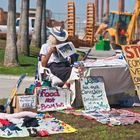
pixel 71 19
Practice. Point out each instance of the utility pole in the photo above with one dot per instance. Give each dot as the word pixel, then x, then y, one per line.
pixel 107 7
pixel 97 10
pixel 121 5
pixel 101 9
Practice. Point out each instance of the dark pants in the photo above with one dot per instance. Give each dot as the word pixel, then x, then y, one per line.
pixel 62 70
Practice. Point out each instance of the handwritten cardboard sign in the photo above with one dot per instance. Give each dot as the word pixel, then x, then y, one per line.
pixel 93 94
pixel 27 101
pixel 132 55
pixel 52 99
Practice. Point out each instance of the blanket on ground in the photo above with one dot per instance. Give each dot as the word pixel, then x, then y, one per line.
pixel 111 118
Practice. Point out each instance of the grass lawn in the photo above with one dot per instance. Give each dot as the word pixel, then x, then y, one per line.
pixel 86 129
pixel 27 65
pixel 90 130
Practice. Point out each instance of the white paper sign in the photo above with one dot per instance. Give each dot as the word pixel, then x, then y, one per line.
pixel 52 99
pixel 66 49
pixel 27 101
pixel 93 94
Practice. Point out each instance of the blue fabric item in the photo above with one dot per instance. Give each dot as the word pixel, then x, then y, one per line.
pixel 11 127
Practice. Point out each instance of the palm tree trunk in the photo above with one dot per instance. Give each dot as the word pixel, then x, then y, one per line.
pixel 43 29
pixel 25 28
pixel 11 57
pixel 19 33
pixel 36 37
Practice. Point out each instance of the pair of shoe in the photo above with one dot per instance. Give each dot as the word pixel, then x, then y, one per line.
pixel 33 132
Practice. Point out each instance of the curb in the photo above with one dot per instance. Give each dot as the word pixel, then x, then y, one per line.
pixel 8 77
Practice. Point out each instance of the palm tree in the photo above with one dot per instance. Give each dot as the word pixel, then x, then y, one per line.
pixel 43 29
pixel 11 57
pixel 36 37
pixel 23 34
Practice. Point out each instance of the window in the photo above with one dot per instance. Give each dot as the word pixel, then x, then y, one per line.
pixel 33 23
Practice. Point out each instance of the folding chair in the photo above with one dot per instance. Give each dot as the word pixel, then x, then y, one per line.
pixel 55 81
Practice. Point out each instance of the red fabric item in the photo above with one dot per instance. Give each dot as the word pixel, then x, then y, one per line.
pixel 43 133
pixel 4 122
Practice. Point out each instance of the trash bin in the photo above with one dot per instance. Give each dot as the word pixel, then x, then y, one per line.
pixel 103 45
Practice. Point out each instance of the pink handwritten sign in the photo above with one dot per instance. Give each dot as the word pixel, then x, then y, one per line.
pixel 53 99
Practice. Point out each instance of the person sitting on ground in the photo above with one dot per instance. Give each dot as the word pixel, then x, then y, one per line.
pixel 52 59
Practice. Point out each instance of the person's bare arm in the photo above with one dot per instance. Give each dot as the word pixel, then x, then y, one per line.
pixel 45 58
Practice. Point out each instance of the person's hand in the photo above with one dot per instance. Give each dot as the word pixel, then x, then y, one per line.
pixel 52 49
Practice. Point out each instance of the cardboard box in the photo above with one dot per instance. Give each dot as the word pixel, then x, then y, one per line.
pixel 22 102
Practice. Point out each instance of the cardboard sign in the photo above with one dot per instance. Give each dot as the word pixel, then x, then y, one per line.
pixel 66 49
pixel 27 101
pixel 93 94
pixel 53 99
pixel 132 55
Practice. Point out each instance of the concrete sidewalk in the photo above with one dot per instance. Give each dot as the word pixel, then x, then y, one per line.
pixel 28 78
pixel 8 82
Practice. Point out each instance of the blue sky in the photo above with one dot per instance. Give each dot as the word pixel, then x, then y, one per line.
pixel 60 6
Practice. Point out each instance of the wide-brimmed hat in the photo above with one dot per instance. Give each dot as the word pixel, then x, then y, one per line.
pixel 59 33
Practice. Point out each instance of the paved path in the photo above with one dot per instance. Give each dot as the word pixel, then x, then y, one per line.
pixel 8 82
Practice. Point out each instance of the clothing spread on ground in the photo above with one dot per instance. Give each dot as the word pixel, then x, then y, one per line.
pixel 113 117
pixel 31 124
